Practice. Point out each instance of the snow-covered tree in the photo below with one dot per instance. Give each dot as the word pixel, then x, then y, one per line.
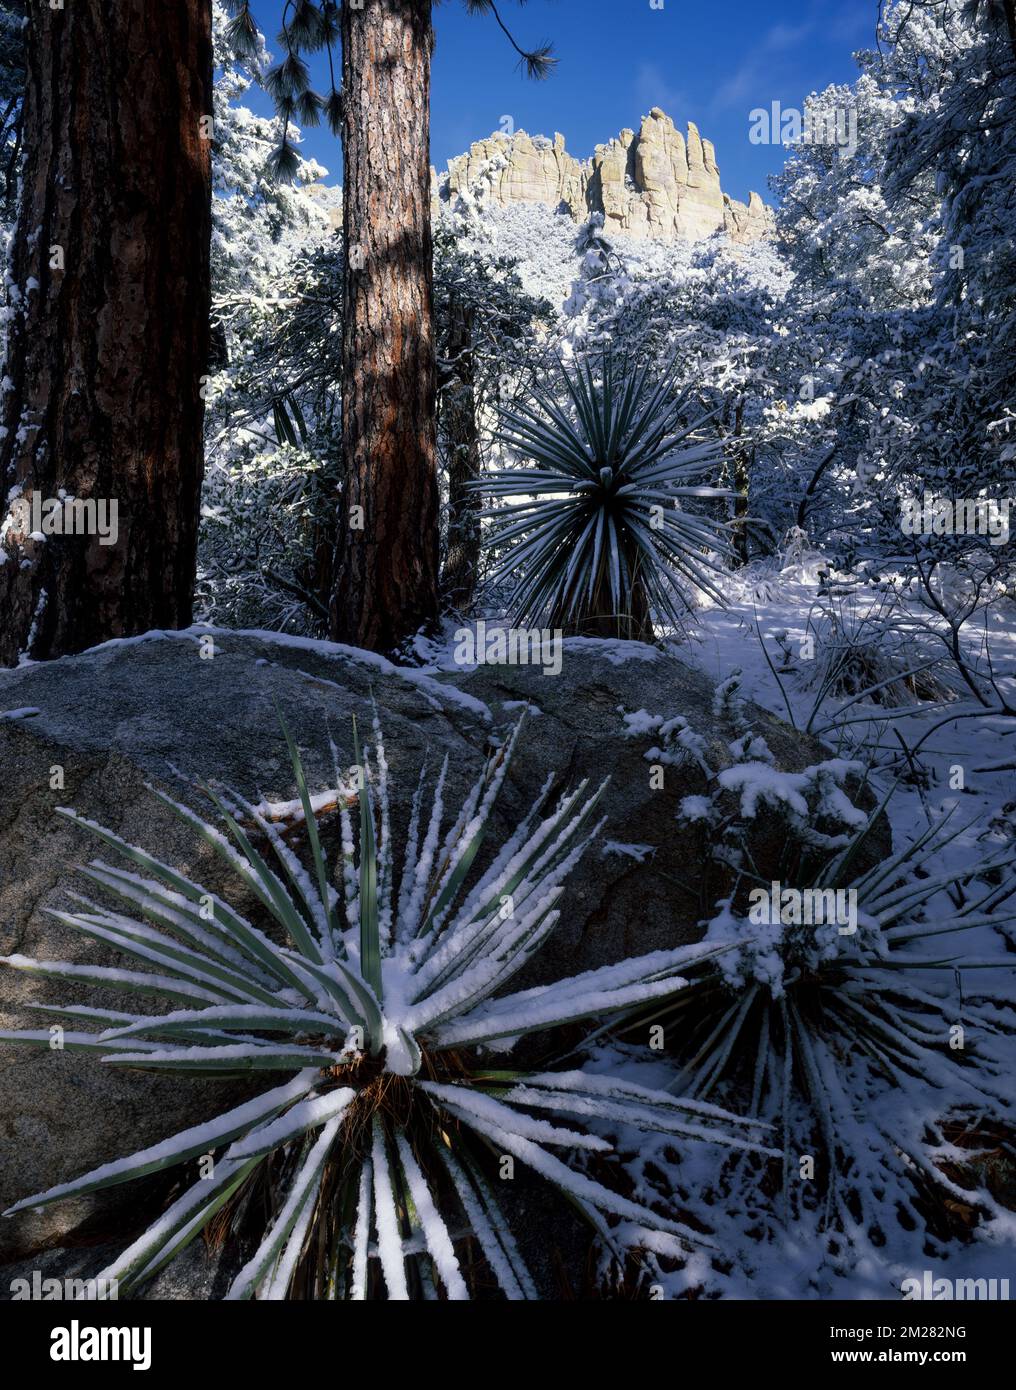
pixel 12 86
pixel 258 221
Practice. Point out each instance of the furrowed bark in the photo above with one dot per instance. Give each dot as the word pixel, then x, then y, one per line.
pixel 108 337
pixel 386 579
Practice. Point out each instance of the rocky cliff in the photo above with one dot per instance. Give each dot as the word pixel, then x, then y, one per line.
pixel 654 182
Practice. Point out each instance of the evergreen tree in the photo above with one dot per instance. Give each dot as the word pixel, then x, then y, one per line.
pixel 386 578
pixel 108 325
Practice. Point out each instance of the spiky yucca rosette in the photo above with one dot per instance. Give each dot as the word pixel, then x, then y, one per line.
pixel 880 1051
pixel 599 539
pixel 384 1008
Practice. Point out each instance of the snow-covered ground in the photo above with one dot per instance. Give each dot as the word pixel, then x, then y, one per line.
pixel 966 754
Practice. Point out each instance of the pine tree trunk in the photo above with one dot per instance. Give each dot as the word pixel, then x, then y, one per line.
pixel 109 337
pixel 386 583
pixel 462 557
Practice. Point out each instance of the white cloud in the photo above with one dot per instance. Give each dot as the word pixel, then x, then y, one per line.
pixel 744 82
pixel 784 36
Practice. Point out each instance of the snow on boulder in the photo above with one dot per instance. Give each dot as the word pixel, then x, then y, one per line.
pixel 97 731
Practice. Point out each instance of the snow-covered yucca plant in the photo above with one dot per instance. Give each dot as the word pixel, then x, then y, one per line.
pixel 865 1038
pixel 385 1008
pixel 598 542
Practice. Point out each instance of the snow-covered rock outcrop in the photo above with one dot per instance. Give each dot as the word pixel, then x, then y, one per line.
pixel 654 182
pixel 98 732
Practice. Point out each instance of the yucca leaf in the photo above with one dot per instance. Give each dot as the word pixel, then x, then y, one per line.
pixel 253 941
pixel 354 999
pixel 566 1179
pixel 302 1190
pixel 174 1230
pixel 386 1215
pixel 361 1233
pixel 230 1182
pixel 249 1017
pixel 310 822
pixel 174 914
pixel 233 1058
pixel 370 932
pixel 304 1115
pixel 68 1042
pixel 144 944
pixel 199 1139
pixel 104 977
pixel 503 1259
pixel 255 872
pixel 435 1232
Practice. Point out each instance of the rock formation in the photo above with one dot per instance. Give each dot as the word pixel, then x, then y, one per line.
pixel 655 182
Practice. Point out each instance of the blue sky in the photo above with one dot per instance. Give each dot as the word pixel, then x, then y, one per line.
pixel 706 62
